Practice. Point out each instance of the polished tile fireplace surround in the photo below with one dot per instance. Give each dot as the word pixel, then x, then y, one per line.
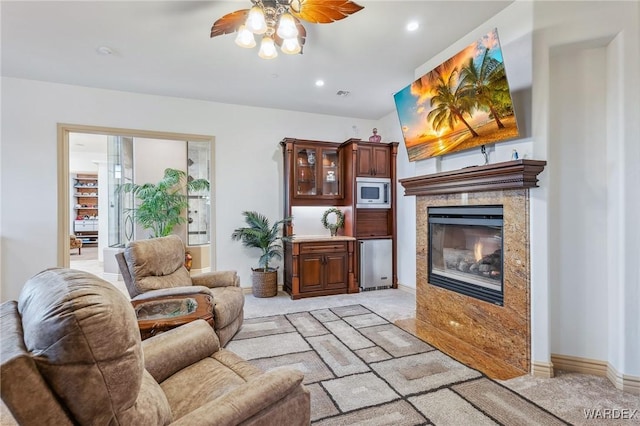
pixel 494 339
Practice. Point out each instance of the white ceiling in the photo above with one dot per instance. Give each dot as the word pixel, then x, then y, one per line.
pixel 164 48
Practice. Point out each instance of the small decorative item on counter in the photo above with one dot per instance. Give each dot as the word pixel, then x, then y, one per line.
pixel 514 154
pixel 375 137
pixel 332 219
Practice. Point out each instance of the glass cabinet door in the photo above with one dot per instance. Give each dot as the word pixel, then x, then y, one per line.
pixel 330 173
pixel 305 171
pixel 316 172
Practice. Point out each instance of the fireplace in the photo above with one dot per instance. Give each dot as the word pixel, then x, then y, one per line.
pixel 493 338
pixel 465 251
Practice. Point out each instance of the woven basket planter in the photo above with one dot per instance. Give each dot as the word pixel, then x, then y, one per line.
pixel 264 284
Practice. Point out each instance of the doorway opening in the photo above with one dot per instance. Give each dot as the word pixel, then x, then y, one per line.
pixel 93 161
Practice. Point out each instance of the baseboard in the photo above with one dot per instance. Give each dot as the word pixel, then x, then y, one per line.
pixel 542 369
pixel 200 271
pixel 577 364
pixel 623 382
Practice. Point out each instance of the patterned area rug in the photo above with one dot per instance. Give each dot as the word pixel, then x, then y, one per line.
pixel 361 369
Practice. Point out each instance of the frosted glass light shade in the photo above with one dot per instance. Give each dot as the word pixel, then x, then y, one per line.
pixel 267 48
pixel 245 38
pixel 290 46
pixel 287 26
pixel 255 21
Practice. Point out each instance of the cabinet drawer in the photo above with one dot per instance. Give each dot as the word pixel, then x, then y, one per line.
pixel 307 248
pixel 85 226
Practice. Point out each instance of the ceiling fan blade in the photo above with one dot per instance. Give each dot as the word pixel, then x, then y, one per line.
pixel 325 11
pixel 229 23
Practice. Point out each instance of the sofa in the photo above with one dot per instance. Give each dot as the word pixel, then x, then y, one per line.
pixel 71 353
pixel 154 268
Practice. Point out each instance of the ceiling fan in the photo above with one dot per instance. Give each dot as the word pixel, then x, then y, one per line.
pixel 278 21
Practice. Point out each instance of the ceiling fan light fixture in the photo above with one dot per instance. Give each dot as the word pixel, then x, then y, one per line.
pixel 280 19
pixel 290 46
pixel 267 48
pixel 255 21
pixel 287 27
pixel 245 38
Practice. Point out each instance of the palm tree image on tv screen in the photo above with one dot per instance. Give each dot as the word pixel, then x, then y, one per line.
pixel 462 103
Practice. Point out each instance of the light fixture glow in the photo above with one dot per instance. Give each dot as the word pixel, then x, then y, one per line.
pixel 287 27
pixel 267 48
pixel 412 26
pixel 319 83
pixel 245 38
pixel 255 21
pixel 290 46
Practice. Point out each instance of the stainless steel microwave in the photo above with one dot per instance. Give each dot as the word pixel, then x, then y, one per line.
pixel 373 193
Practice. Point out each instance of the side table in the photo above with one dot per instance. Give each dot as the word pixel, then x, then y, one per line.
pixel 164 313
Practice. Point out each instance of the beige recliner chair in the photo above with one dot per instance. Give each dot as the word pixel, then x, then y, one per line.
pixel 154 268
pixel 71 354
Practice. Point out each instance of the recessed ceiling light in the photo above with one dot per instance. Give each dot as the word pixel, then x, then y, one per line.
pixel 104 50
pixel 412 26
pixel 319 83
pixel 342 93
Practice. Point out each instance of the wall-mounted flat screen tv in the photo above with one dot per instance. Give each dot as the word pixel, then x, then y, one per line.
pixel 463 103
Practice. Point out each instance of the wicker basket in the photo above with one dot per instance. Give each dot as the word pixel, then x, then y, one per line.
pixel 264 284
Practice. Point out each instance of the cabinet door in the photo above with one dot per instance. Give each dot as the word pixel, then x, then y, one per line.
pixel 365 161
pixel 381 166
pixel 311 272
pixel 330 175
pixel 335 269
pixel 373 161
pixel 305 171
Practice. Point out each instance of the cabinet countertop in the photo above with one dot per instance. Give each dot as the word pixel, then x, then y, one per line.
pixel 316 238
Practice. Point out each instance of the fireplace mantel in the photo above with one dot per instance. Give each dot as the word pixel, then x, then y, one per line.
pixel 491 177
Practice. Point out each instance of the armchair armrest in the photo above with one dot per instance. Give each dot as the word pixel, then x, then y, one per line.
pixel 217 279
pixel 173 350
pixel 245 401
pixel 173 291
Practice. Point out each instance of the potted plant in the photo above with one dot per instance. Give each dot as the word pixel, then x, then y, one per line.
pixel 260 234
pixel 162 204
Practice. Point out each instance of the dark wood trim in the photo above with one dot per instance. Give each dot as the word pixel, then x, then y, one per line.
pixel 507 175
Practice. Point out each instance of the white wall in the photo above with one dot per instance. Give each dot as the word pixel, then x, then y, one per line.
pixel 248 169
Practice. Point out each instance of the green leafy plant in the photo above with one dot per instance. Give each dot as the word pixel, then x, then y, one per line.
pixel 161 204
pixel 262 235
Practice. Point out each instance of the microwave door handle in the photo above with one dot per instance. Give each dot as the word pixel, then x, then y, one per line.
pixel 386 193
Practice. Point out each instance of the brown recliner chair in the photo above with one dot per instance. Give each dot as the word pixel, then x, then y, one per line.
pixel 154 268
pixel 71 354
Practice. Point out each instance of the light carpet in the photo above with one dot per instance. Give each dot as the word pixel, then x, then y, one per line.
pixel 362 369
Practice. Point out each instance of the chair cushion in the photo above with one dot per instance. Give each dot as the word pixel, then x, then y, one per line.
pixel 206 380
pixel 83 334
pixel 157 263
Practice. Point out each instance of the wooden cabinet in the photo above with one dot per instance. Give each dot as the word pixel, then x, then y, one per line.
pixel 319 267
pixel 85 192
pixel 313 170
pixel 373 160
